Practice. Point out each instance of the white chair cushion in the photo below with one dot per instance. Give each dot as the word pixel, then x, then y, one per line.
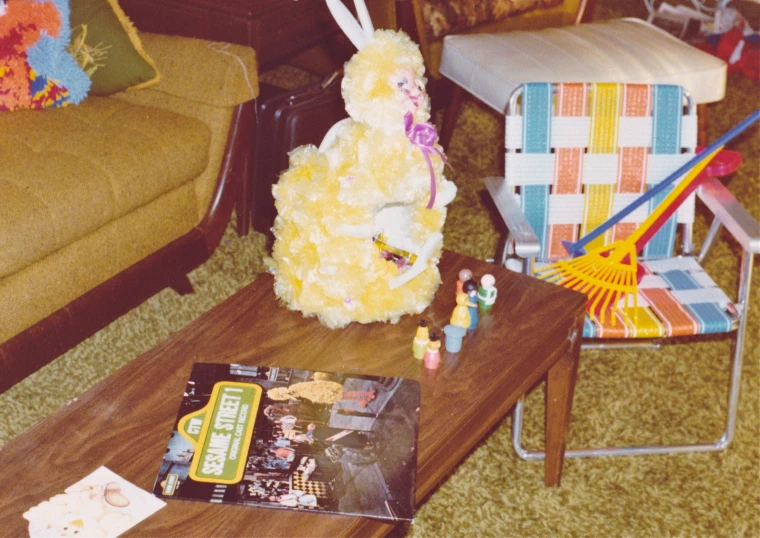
pixel 492 66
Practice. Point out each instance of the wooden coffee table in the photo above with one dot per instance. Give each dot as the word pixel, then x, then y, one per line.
pixel 124 422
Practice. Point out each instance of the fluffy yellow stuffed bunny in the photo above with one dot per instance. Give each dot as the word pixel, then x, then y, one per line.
pixel 358 232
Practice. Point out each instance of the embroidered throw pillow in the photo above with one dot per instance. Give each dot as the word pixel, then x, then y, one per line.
pixel 106 45
pixel 36 71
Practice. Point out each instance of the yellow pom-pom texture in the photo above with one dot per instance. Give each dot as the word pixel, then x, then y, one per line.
pixel 352 214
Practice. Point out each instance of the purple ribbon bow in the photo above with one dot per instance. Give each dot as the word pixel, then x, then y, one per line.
pixel 424 136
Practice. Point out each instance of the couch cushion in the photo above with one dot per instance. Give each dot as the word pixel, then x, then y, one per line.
pixel 70 171
pixel 40 289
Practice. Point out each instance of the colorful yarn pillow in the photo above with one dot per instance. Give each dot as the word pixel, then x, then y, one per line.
pixel 36 71
pixel 106 45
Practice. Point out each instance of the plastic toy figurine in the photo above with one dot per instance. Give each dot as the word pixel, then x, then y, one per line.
pixel 454 335
pixel 471 289
pixel 421 340
pixel 461 314
pixel 487 292
pixel 433 354
pixel 464 276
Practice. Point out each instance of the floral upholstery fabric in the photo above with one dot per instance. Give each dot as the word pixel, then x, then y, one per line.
pixel 442 17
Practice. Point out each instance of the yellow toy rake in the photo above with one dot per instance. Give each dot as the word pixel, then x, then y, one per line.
pixel 610 273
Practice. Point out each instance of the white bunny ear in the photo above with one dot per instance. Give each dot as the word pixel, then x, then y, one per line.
pixel 347 23
pixel 366 22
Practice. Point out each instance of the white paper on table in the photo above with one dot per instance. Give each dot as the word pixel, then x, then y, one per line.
pixel 102 504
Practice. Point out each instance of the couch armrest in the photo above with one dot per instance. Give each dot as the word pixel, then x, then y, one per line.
pixel 731 214
pixel 219 74
pixel 526 242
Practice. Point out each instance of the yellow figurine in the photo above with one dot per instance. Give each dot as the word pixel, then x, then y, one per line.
pixel 372 195
pixel 461 314
pixel 421 339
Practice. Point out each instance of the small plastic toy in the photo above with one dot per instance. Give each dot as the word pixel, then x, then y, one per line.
pixel 454 335
pixel 461 314
pixel 471 289
pixel 610 274
pixel 421 340
pixel 464 276
pixel 433 354
pixel 487 292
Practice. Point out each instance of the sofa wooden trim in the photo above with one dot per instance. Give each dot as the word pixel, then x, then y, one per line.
pixel 38 345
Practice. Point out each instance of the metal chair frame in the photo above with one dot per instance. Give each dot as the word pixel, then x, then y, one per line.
pixel 523 242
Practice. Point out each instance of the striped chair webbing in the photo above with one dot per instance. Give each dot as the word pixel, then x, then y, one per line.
pixel 565 189
pixel 676 298
pixel 536 136
pixel 605 117
pixel 632 160
pixel 572 101
pixel 666 139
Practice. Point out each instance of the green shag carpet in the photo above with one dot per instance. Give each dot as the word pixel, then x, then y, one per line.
pixel 673 395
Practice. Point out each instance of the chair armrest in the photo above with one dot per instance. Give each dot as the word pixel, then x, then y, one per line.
pixel 526 242
pixel 218 74
pixel 731 214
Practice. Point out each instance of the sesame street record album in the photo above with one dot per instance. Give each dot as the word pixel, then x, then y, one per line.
pixel 296 440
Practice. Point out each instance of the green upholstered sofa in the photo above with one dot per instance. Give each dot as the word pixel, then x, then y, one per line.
pixel 105 203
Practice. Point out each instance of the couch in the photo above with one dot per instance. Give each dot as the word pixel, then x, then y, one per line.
pixel 109 201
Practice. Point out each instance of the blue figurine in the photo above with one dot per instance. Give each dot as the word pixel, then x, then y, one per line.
pixel 471 289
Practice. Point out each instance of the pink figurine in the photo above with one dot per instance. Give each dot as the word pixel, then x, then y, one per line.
pixel 433 354
pixel 464 276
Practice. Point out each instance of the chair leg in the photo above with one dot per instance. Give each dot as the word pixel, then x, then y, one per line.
pixel 745 278
pixel 731 410
pixel 450 115
pixel 712 233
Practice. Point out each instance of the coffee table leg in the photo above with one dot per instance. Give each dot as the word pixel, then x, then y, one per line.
pixel 560 385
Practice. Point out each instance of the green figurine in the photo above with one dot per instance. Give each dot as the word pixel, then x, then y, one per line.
pixel 487 293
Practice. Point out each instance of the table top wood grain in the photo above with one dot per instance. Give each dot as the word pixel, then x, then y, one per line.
pixel 125 421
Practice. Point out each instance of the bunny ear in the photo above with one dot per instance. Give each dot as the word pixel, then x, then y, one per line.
pixel 347 23
pixel 366 22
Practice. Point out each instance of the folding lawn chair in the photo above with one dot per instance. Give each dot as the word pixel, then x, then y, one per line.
pixel 578 153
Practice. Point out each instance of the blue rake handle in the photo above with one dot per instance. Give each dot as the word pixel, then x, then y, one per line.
pixel 579 247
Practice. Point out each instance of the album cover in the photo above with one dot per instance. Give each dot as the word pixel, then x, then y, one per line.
pixel 296 440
